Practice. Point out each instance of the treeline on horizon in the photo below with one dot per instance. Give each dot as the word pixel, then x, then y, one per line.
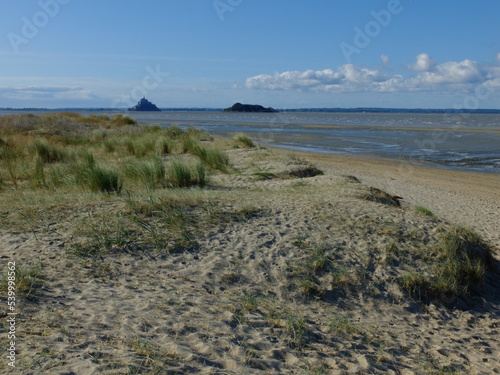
pixel 332 110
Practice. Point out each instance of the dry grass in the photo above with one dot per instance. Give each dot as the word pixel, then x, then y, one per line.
pixel 244 140
pixel 457 267
pixel 52 151
pixel 148 209
pixel 379 196
pixel 28 279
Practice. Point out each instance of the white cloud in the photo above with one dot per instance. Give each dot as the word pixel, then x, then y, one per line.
pixel 385 59
pixel 347 78
pixel 424 63
pixel 45 92
pixel 294 80
pixel 466 71
pixel 428 75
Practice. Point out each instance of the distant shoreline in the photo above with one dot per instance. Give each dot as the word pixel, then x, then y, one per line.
pixel 327 110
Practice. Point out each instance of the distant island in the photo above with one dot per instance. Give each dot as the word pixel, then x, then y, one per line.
pixel 238 107
pixel 144 105
pixel 326 109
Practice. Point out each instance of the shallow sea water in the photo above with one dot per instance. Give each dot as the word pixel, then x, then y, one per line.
pixel 458 141
pixel 453 140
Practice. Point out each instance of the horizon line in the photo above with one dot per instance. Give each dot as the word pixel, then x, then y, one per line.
pixel 298 109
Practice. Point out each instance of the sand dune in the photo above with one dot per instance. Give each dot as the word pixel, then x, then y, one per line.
pixel 239 302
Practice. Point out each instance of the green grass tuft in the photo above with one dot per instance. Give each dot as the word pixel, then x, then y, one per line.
pixel 27 280
pixel 244 140
pixel 181 174
pixel 211 157
pixel 104 180
pixel 151 172
pixel 96 178
pixel 48 153
pixel 424 211
pixel 343 325
pixel 379 196
pixel 462 260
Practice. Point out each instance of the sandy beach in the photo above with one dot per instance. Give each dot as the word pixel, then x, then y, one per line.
pixel 233 187
pixel 462 197
pixel 273 273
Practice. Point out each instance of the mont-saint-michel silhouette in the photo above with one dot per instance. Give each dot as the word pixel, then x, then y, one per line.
pixel 144 105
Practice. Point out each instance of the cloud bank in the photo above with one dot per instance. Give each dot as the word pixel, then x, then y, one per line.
pixel 423 74
pixel 46 92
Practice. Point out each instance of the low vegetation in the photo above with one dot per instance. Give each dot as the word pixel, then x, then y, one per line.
pixel 289 266
pixel 457 267
pixel 379 196
pixel 67 151
pixel 244 140
pixel 424 211
pixel 28 279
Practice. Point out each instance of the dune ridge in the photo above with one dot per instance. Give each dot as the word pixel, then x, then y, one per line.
pixel 262 272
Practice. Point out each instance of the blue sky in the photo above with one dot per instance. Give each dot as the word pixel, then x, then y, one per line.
pixel 279 53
